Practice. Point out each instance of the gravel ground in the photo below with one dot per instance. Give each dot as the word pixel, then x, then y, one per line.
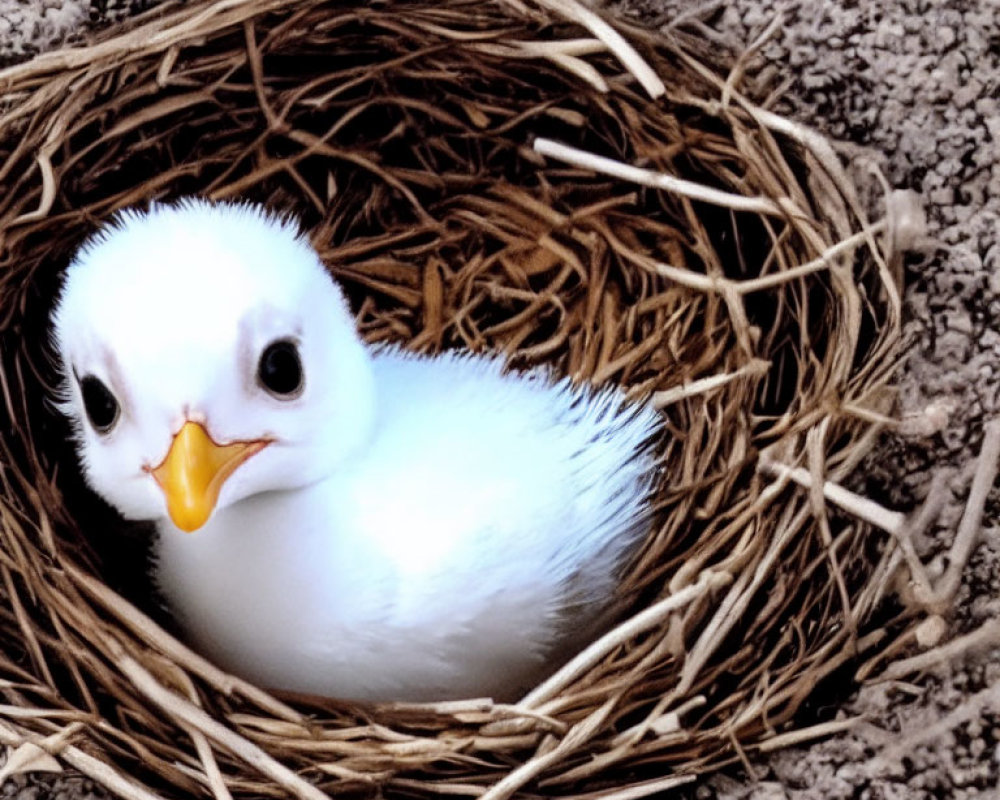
pixel 917 82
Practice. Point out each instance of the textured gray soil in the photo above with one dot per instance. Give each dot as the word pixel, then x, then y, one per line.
pixel 918 83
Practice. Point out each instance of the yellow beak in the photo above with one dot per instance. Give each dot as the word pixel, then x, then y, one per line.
pixel 194 470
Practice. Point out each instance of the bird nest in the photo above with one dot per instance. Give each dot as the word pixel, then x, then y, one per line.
pixel 524 177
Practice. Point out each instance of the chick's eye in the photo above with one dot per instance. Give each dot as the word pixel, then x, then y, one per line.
pixel 101 406
pixel 280 369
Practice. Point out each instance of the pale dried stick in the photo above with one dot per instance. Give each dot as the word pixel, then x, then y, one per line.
pixel 823 151
pixel 797 737
pixel 986 636
pixel 668 722
pixel 655 180
pixel 565 54
pixel 695 13
pixel 212 772
pixel 937 493
pixel 706 385
pixel 816 453
pixel 735 76
pixel 94 768
pixel 578 735
pixel 648 618
pixel 861 507
pixel 614 41
pixel 883 577
pixel 189 715
pixel 566 47
pixel 101 772
pixel 971 523
pixel 419 788
pixel 709 283
pixel 149 37
pixel 580 68
pixel 38 755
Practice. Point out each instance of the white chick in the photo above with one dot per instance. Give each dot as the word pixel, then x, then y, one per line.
pixel 332 519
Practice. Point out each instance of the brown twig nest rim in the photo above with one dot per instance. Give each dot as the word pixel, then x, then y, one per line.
pixel 533 178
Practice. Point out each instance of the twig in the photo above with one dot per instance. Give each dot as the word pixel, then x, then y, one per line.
pixel 797 737
pixel 614 41
pixel 202 747
pixel 985 636
pixel 735 76
pixel 816 453
pixel 656 180
pixel 150 36
pixel 642 621
pixel 698 13
pixel 937 493
pixel 709 283
pixel 190 715
pixel 94 768
pixel 861 507
pixel 706 385
pixel 578 735
pixel 104 774
pixel 971 523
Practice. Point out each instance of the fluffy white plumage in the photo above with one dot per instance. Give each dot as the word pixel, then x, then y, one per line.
pixel 409 527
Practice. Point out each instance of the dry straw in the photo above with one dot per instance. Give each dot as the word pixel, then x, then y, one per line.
pixel 523 176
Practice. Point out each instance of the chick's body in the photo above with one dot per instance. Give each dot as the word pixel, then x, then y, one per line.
pixel 437 527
